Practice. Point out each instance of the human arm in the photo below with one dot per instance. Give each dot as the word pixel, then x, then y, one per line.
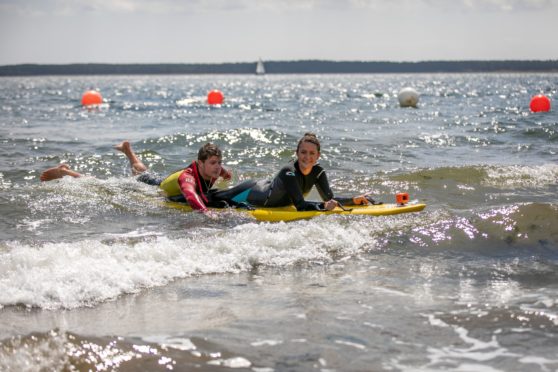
pixel 187 184
pixel 322 185
pixel 364 199
pixel 226 174
pixel 293 188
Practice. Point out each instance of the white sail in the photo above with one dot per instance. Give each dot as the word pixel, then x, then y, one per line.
pixel 260 69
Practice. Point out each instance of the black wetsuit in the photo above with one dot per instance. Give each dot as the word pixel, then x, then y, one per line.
pixel 288 187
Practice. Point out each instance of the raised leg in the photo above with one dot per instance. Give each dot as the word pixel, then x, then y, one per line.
pixel 135 163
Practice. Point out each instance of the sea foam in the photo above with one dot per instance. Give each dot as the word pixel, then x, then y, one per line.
pixel 86 272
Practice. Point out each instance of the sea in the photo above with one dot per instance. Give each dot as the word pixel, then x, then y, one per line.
pixel 97 273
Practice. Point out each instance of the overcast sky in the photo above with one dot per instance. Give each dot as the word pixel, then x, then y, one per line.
pixel 215 31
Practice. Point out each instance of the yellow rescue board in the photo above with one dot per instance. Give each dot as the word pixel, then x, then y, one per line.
pixel 291 214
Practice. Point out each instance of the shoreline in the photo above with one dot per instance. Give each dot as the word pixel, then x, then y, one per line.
pixel 284 67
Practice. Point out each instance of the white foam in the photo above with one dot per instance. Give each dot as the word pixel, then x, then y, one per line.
pixel 478 351
pixel 523 176
pixel 32 225
pixel 237 362
pixel 191 101
pixel 86 272
pixel 179 343
pixel 436 322
pixel 266 343
pixel 470 367
pixel 541 362
pixel 37 354
pixel 263 369
pixel 351 344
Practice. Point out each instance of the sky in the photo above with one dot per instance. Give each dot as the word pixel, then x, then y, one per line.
pixel 221 31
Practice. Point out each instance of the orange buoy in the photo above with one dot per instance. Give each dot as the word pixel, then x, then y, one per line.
pixel 91 97
pixel 540 103
pixel 215 97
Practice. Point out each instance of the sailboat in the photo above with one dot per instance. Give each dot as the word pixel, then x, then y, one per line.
pixel 260 69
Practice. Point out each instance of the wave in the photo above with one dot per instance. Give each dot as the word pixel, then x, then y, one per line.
pixel 89 271
pixel 502 177
pixel 531 226
pixel 464 188
pixel 85 272
pixel 59 351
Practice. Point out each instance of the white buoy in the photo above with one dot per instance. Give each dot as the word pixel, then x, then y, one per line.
pixel 408 97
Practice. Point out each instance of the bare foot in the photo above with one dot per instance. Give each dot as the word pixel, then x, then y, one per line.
pixel 124 147
pixel 135 163
pixel 58 172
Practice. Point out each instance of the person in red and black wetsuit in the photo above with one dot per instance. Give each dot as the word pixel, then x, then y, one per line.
pixel 190 185
pixel 193 183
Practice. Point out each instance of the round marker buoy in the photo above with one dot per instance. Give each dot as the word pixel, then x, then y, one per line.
pixel 215 97
pixel 408 97
pixel 540 103
pixel 91 97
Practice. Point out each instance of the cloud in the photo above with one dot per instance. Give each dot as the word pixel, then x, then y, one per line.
pixel 157 7
pixel 495 5
pixel 78 7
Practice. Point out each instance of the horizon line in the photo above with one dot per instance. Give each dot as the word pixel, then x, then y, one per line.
pixel 278 61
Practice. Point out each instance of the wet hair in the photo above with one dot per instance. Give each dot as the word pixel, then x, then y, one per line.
pixel 310 138
pixel 208 150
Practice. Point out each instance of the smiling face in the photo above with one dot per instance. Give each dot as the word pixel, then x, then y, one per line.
pixel 210 168
pixel 307 155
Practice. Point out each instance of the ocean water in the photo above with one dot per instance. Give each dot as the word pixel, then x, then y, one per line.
pixel 96 273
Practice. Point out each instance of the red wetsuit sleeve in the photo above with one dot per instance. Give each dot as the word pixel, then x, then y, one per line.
pixel 187 184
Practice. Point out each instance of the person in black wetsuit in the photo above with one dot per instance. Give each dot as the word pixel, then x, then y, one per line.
pixel 290 185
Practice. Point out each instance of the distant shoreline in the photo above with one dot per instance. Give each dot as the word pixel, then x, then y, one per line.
pixel 282 67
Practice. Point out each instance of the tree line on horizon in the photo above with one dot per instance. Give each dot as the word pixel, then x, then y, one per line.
pixel 282 67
